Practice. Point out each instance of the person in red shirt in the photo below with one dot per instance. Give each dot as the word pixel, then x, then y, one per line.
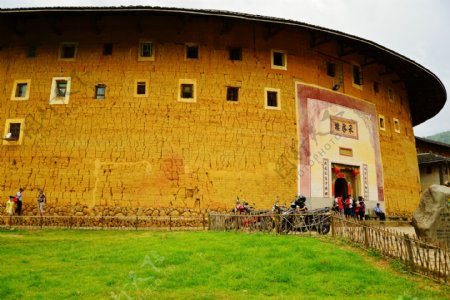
pixel 340 204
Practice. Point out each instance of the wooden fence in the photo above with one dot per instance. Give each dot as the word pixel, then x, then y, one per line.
pixel 106 222
pixel 430 260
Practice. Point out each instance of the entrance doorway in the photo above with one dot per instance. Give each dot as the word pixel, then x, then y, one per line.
pixel 346 180
pixel 340 187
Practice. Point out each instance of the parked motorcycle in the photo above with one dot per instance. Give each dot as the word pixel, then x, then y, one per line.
pixel 298 218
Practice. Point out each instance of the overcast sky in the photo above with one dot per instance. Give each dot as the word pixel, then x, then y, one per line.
pixel 418 29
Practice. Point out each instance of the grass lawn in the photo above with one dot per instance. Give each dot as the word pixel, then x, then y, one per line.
pixel 85 264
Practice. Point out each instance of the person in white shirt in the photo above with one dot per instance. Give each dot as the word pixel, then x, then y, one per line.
pixel 19 202
pixel 379 212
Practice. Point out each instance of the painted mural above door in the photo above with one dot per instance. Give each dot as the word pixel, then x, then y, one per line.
pixel 337 131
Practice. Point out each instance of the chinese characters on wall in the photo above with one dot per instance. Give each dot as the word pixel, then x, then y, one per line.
pixel 344 127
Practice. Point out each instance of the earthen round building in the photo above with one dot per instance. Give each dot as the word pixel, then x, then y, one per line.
pixel 115 109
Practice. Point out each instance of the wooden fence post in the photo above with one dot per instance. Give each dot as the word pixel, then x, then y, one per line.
pixel 409 251
pixel 366 237
pixel 170 223
pixel 333 226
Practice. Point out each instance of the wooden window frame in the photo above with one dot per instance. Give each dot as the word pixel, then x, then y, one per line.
pixel 382 119
pixel 15 141
pixel 99 96
pixel 192 82
pixel 231 91
pixel 268 90
pixel 14 91
pixel 273 52
pixel 137 82
pixel 141 57
pixel 55 98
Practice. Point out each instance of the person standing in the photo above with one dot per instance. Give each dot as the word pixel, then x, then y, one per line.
pixel 19 202
pixel 9 210
pixel 362 209
pixel 41 200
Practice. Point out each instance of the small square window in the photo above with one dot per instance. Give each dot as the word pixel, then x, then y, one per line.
pixel 235 53
pixel 381 122
pixel 187 90
pixel 60 90
pixel 146 51
pixel 141 88
pixel 272 98
pixel 31 51
pixel 232 93
pixel 13 133
pixel 357 75
pixel 68 51
pixel 14 130
pixel 191 51
pixel 21 90
pixel 331 69
pixel 100 91
pixel 107 49
pixel 396 125
pixel 279 60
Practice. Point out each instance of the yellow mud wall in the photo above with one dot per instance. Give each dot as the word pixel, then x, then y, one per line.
pixel 155 151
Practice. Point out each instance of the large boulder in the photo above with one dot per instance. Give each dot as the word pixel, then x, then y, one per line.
pixel 431 220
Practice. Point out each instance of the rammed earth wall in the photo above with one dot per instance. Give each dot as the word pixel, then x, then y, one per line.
pixel 128 154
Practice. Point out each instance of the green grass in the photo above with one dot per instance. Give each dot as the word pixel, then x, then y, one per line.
pixel 60 264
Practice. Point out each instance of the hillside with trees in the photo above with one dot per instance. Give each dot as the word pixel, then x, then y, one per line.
pixel 443 137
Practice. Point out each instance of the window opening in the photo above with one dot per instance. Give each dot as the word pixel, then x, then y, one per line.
pixel 141 88
pixel 192 51
pixel 272 98
pixel 187 91
pixel 232 93
pixel 100 91
pixel 235 53
pixel 68 51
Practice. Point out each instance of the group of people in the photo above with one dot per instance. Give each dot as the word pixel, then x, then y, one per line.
pixel 351 208
pixel 14 203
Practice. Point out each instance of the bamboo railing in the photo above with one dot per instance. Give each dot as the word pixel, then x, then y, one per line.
pixel 427 259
